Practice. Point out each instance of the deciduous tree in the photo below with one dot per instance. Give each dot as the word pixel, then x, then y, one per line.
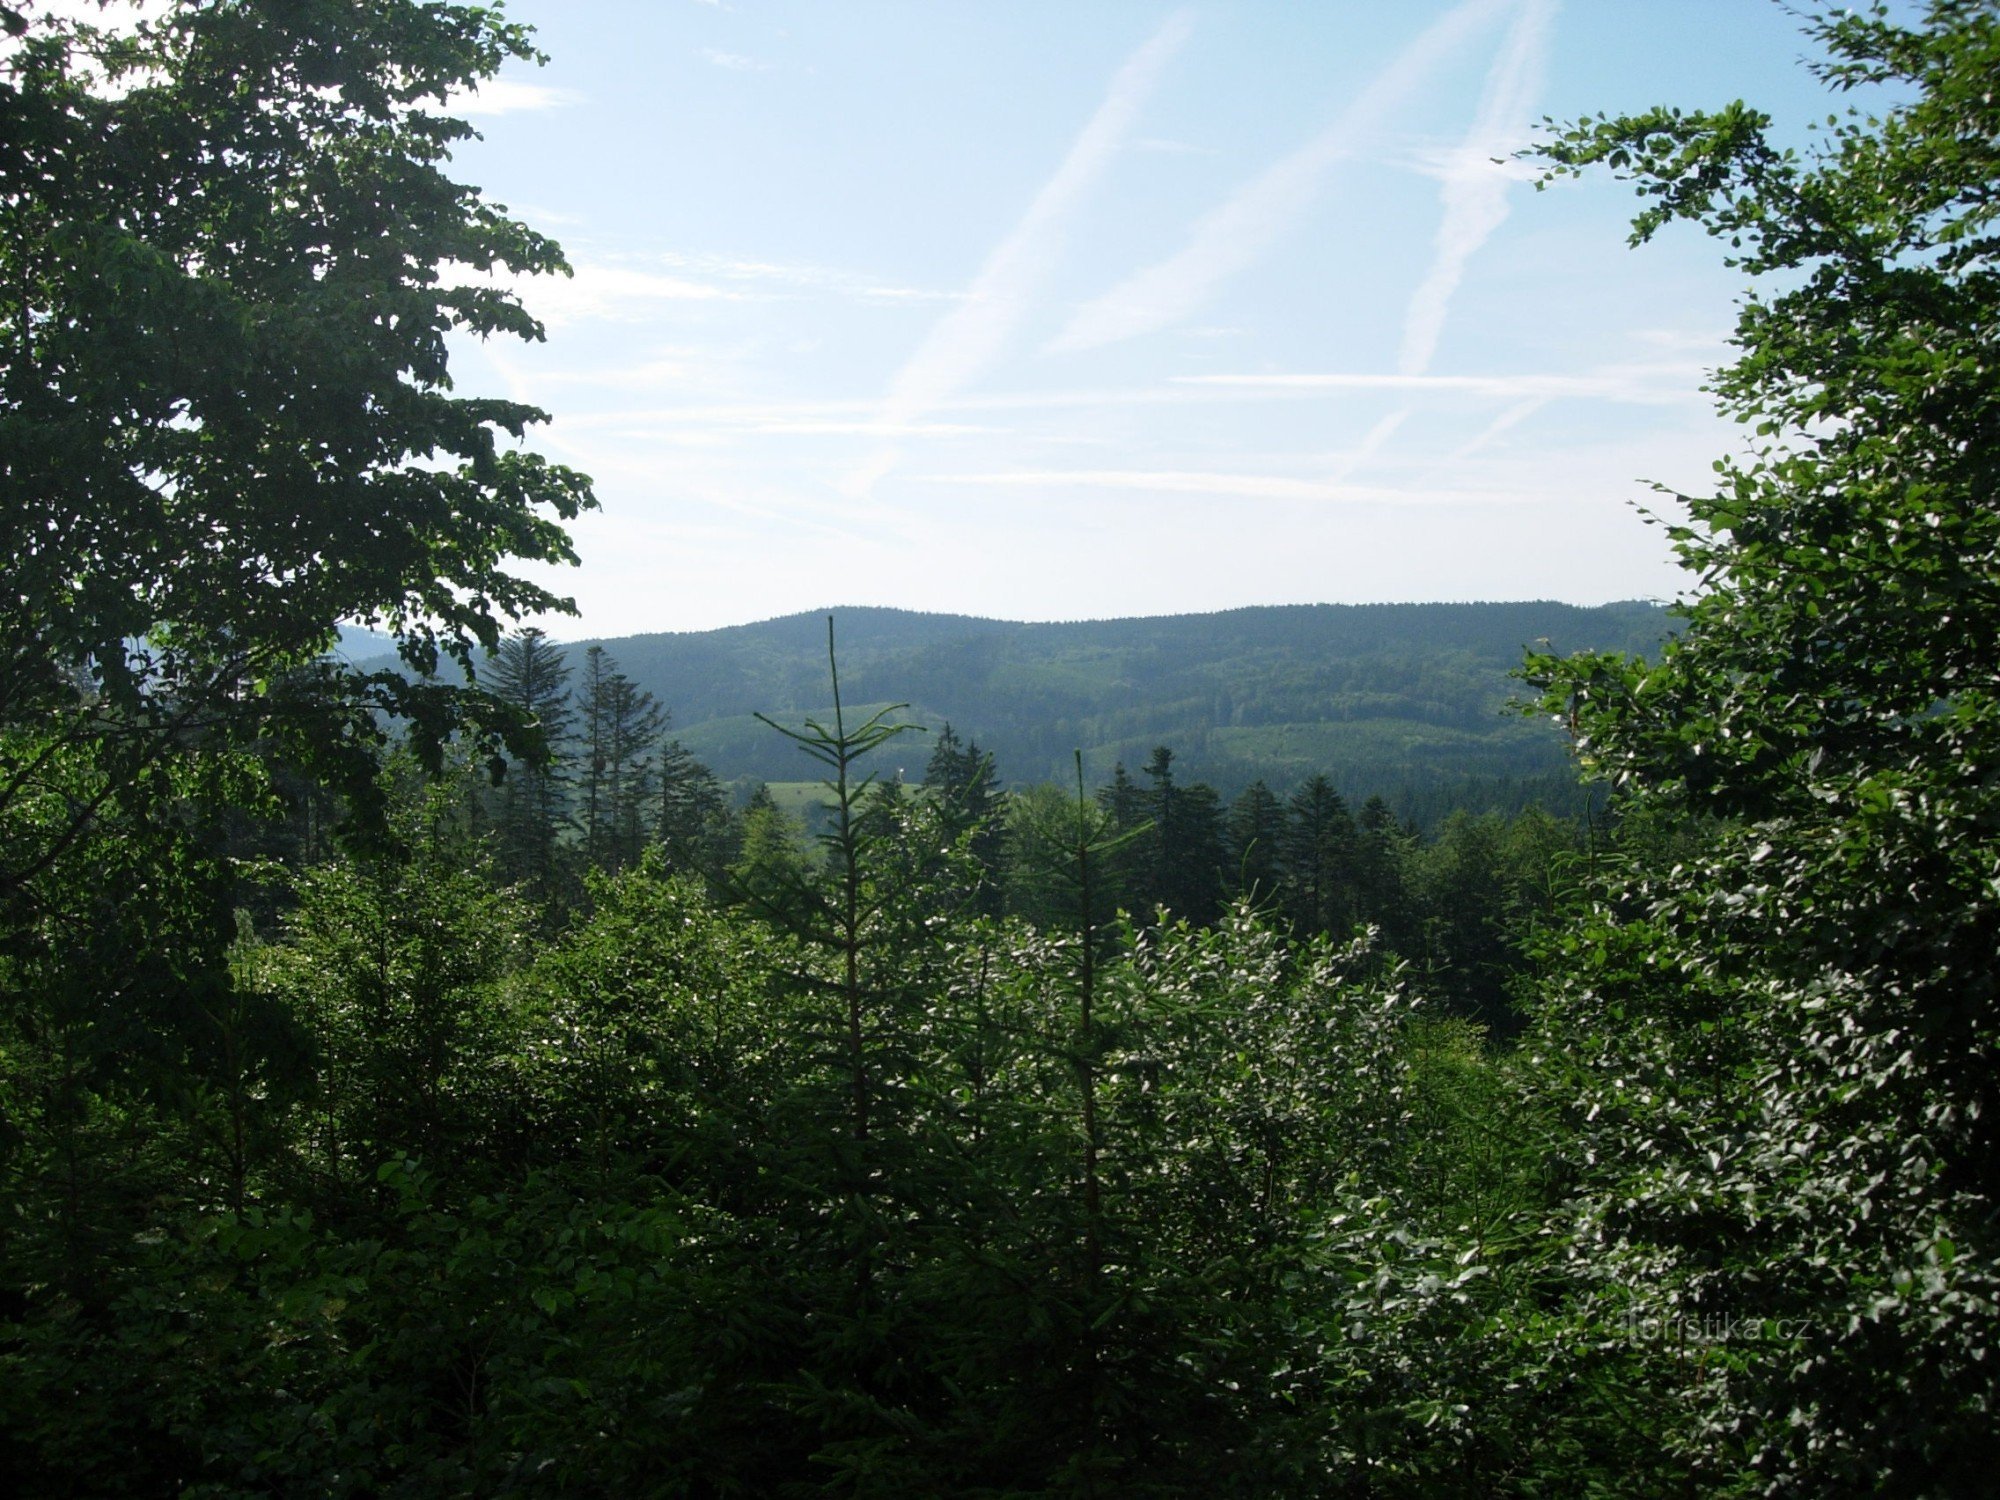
pixel 1785 1045
pixel 230 257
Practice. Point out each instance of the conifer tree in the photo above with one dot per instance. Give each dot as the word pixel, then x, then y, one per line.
pixel 1319 855
pixel 1121 798
pixel 531 805
pixel 621 725
pixel 770 857
pixel 965 781
pixel 1122 876
pixel 1461 895
pixel 1178 862
pixel 1195 862
pixel 696 829
pixel 1255 832
pixel 1381 895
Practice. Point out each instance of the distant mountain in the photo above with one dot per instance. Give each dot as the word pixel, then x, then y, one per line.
pixel 1407 700
pixel 359 643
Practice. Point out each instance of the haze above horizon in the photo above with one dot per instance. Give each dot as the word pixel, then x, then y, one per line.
pixel 1052 312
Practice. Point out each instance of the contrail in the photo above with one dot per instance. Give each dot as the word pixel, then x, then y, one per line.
pixel 1236 234
pixel 1474 191
pixel 965 342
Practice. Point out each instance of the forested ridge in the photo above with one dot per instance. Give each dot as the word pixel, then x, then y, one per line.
pixel 1410 702
pixel 429 1082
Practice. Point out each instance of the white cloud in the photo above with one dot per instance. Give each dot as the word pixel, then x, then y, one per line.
pixel 739 414
pixel 615 293
pixel 509 96
pixel 1645 385
pixel 666 370
pixel 968 338
pixel 1442 162
pixel 601 292
pixel 872 429
pixel 1244 486
pixel 1474 190
pixel 1640 385
pixel 736 62
pixel 534 213
pixel 1684 341
pixel 1235 235
pixel 799 418
pixel 803 277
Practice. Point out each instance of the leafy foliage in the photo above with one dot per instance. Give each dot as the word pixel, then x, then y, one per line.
pixel 224 396
pixel 1784 1045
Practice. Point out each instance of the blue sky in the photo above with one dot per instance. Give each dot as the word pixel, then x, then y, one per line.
pixel 1049 311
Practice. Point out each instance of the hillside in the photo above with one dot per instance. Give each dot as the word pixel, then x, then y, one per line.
pixel 1408 700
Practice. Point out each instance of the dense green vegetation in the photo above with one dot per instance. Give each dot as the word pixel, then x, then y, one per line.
pixel 607 785
pixel 485 1107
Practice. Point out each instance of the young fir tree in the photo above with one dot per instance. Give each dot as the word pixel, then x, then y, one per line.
pixel 771 857
pixel 869 933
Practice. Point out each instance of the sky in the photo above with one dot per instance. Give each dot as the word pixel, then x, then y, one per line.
pixel 1040 310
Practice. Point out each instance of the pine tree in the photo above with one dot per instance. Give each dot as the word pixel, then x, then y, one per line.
pixel 770 857
pixel 1122 799
pixel 1178 863
pixel 1462 898
pixel 1157 851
